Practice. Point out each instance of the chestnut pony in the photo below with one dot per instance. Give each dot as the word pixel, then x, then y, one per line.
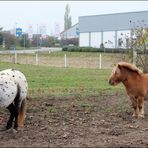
pixel 135 82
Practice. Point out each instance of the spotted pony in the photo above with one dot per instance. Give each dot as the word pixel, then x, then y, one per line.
pixel 13 94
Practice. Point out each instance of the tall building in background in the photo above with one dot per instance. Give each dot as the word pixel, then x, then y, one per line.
pixel 30 31
pixel 43 30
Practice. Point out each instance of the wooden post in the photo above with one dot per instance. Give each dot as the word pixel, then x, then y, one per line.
pixel 36 59
pixel 15 57
pixel 100 63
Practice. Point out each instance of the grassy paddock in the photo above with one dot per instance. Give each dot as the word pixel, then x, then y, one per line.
pixel 47 81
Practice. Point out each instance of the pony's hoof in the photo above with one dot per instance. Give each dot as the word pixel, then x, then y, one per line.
pixel 8 126
pixel 141 116
pixel 20 129
pixel 14 131
pixel 135 115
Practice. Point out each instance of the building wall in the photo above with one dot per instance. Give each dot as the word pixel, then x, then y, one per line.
pixel 71 32
pixel 90 28
pixel 84 39
pixel 108 39
pixel 95 39
pixel 106 29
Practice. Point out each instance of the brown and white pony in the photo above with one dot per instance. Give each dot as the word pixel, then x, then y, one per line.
pixel 13 95
pixel 135 82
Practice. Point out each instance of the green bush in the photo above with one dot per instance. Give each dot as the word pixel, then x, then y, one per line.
pixel 92 49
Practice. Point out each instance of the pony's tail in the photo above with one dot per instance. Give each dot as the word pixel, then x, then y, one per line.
pixel 22 113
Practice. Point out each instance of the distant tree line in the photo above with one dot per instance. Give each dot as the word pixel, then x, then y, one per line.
pixel 10 41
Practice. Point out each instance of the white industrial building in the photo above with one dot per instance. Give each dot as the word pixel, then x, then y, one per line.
pixel 71 32
pixel 107 29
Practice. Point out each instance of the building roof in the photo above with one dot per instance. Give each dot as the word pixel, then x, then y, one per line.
pixel 115 13
pixel 112 22
pixel 69 28
pixel 71 32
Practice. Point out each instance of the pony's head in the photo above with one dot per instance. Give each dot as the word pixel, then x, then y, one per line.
pixel 116 75
pixel 120 72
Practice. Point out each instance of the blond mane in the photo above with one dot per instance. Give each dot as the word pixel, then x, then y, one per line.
pixel 130 67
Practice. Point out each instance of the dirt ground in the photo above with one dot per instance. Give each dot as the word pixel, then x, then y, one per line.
pixel 77 121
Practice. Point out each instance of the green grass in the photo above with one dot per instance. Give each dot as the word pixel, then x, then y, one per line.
pixel 64 81
pixel 82 54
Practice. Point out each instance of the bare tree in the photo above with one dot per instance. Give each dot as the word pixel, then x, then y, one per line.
pixel 139 44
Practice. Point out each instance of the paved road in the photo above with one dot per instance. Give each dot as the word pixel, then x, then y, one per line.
pixel 52 49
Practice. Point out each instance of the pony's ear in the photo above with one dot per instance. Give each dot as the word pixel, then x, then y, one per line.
pixel 119 66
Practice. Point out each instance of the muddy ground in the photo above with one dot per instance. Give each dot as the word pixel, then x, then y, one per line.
pixel 77 121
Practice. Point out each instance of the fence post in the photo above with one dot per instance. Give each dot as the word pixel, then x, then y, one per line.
pixel 65 61
pixel 15 57
pixel 36 59
pixel 100 63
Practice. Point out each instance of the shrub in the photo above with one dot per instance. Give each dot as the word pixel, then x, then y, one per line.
pixel 93 49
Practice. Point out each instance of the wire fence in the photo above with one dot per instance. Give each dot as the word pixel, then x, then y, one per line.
pixel 98 60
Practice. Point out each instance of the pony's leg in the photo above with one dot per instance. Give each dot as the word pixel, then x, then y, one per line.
pixel 17 104
pixel 22 112
pixel 141 107
pixel 11 109
pixel 135 106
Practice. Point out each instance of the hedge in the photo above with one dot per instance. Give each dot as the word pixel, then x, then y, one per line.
pixel 92 49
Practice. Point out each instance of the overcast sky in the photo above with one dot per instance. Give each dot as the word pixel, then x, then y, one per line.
pixel 25 13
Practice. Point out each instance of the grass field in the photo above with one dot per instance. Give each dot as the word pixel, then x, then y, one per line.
pixel 74 107
pixel 64 81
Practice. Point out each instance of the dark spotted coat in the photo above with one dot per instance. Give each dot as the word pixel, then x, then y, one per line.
pixel 9 81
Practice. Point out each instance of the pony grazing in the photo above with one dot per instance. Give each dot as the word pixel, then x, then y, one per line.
pixel 135 82
pixel 13 94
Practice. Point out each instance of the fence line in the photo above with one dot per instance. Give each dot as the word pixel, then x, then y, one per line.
pixel 57 61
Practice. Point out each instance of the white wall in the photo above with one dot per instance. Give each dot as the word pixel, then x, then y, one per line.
pixel 84 39
pixel 95 39
pixel 108 39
